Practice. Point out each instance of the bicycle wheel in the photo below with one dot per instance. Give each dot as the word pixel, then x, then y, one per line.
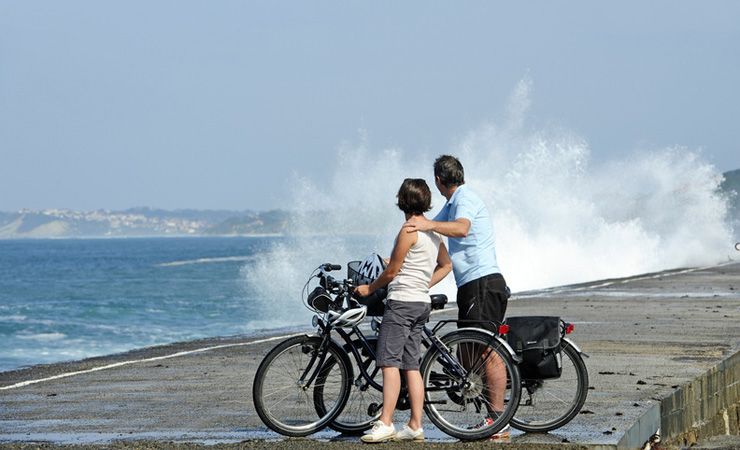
pixel 549 404
pixel 473 387
pixel 365 401
pixel 283 402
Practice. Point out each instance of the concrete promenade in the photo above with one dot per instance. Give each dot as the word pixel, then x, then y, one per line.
pixel 664 354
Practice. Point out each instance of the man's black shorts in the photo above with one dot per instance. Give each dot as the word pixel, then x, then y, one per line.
pixel 484 299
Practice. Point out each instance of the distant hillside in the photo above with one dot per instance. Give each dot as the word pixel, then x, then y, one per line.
pixel 60 223
pixel 143 221
pixel 203 215
pixel 270 222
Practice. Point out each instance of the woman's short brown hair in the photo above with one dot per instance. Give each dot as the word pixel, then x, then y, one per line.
pixel 414 196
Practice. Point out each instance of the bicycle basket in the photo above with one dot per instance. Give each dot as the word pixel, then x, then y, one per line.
pixel 365 272
pixel 319 300
pixel 536 339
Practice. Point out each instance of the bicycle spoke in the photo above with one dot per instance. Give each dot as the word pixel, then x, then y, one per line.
pixel 470 403
pixel 281 397
pixel 550 404
pixel 356 416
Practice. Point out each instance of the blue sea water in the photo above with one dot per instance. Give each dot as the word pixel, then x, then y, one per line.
pixel 70 299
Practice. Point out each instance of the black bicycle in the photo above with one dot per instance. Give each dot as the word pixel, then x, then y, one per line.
pixel 310 382
pixel 554 378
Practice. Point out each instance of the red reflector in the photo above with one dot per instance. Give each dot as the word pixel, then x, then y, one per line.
pixel 503 329
pixel 569 328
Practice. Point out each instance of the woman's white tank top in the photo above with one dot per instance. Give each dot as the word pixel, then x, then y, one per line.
pixel 412 282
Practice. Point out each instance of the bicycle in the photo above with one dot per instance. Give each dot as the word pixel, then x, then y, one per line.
pixel 304 383
pixel 547 404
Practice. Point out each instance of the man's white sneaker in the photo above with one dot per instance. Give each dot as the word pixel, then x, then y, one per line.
pixel 407 434
pixel 380 432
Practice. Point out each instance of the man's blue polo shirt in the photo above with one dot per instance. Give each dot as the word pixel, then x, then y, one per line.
pixel 473 256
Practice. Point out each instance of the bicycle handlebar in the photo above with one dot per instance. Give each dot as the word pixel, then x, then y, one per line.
pixel 342 288
pixel 329 282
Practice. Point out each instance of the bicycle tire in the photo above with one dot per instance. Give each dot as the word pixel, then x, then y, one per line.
pixel 460 406
pixel 549 404
pixel 365 402
pixel 281 401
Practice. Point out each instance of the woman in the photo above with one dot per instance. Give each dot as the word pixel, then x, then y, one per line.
pixel 419 260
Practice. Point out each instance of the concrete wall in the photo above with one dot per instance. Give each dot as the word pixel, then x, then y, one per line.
pixel 707 406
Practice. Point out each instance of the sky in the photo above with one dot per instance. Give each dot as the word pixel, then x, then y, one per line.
pixel 216 104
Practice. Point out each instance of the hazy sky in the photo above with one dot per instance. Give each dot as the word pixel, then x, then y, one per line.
pixel 213 104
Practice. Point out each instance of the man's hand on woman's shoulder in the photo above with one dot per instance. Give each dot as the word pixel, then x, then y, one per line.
pixel 417 223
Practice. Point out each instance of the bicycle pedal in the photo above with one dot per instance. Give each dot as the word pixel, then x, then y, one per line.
pixel 373 409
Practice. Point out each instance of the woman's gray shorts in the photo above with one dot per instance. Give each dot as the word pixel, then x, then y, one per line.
pixel 400 334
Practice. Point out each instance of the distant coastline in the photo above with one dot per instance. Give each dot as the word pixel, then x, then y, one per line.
pixel 139 222
pixel 148 222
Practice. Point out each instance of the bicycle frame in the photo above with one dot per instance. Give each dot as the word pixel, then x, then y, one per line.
pixel 370 378
pixel 430 339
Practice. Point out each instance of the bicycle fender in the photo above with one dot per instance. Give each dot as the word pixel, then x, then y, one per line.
pixel 517 359
pixel 578 349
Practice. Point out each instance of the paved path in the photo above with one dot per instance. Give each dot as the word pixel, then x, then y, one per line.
pixel 646 336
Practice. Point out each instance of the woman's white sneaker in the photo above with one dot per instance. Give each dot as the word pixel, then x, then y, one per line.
pixel 407 434
pixel 380 432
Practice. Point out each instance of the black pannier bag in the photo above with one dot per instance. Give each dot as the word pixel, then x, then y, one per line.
pixel 536 339
pixel 365 272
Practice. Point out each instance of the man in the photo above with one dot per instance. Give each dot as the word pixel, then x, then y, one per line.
pixel 481 289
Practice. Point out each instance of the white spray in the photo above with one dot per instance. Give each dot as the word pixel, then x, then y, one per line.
pixel 559 218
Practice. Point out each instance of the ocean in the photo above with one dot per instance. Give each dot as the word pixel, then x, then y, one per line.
pixel 74 298
pixel 69 299
pixel 560 218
